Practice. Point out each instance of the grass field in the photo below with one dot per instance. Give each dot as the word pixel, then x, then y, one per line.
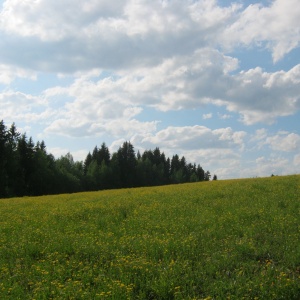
pixel 234 239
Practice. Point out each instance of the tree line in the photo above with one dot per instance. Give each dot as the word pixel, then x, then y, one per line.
pixel 27 169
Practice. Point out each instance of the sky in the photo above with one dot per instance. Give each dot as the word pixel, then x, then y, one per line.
pixel 215 81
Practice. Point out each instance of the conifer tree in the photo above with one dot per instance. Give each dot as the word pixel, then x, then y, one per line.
pixel 127 163
pixel 3 158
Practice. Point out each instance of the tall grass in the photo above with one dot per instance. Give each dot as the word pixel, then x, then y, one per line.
pixel 235 239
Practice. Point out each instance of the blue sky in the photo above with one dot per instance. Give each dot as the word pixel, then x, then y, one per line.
pixel 215 81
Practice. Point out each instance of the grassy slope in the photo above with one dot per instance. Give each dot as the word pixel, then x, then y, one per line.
pixel 223 239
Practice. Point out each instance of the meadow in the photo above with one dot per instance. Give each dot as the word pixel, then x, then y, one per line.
pixel 233 239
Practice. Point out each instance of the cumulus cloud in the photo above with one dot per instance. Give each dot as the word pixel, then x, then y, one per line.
pixel 194 137
pixel 17 106
pixel 261 96
pixel 296 160
pixel 218 151
pixel 207 116
pixel 286 142
pixel 9 73
pixel 69 36
pixel 205 77
pixel 224 116
pixel 275 26
pixel 73 127
pixel 77 35
pixel 225 163
pixel 274 164
pixel 185 83
pixel 282 141
pixel 53 21
pixel 159 54
pixel 97 107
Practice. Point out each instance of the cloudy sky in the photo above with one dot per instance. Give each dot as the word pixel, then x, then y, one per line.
pixel 215 81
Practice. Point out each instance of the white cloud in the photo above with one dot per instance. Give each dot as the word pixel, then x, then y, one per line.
pixel 160 52
pixel 276 26
pixel 274 164
pixel 111 104
pixel 69 36
pixel 193 137
pixel 283 142
pixel 78 35
pixel 296 160
pixel 116 128
pixel 262 97
pixel 207 116
pixel 218 151
pixel 9 73
pixel 225 163
pixel 261 134
pixel 79 155
pixel 276 154
pixel 189 82
pixel 224 116
pixel 286 142
pixel 96 108
pixel 17 106
pixel 259 138
pixel 52 20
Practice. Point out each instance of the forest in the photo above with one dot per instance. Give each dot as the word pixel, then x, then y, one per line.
pixel 27 169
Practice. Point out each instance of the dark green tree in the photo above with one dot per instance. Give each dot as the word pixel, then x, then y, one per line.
pixel 12 161
pixel 43 177
pixel 87 162
pixel 200 173
pixel 145 172
pixel 27 169
pixel 127 164
pixel 69 174
pixel 207 176
pixel 175 164
pixel 101 154
pixel 116 171
pixel 25 160
pixel 3 160
pixel 93 176
pixel 106 178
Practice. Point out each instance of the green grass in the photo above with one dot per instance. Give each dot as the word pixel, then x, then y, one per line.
pixel 234 239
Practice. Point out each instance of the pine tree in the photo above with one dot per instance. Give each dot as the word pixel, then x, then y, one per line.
pixel 12 161
pixel 3 160
pixel 127 163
